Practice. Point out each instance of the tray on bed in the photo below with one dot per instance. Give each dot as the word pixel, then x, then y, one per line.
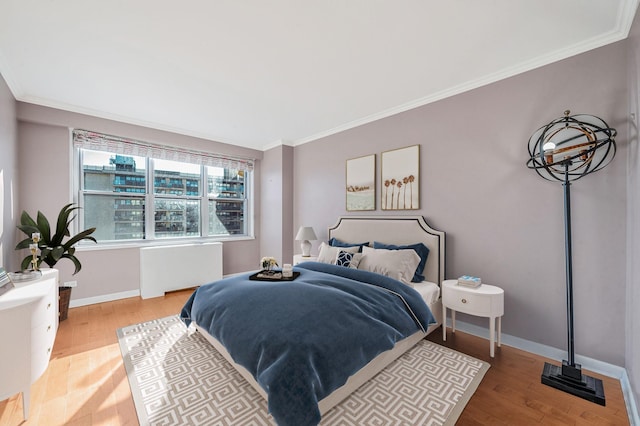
pixel 261 276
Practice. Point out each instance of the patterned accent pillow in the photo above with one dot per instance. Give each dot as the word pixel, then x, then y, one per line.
pixel 347 259
pixel 329 254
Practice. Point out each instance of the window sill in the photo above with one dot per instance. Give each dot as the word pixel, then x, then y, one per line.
pixel 158 243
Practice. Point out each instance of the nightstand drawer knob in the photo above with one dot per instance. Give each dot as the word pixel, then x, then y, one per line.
pixel 464 300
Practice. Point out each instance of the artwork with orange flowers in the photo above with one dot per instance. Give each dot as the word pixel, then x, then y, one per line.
pixel 400 179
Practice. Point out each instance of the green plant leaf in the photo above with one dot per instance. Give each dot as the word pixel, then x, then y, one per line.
pixel 57 252
pixel 75 261
pixel 27 220
pixel 44 227
pixel 62 226
pixel 84 235
pixel 24 244
pixel 28 229
pixel 25 263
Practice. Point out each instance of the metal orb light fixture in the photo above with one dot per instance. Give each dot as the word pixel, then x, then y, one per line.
pixel 565 150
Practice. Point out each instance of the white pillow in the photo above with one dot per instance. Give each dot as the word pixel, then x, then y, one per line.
pixel 396 264
pixel 329 253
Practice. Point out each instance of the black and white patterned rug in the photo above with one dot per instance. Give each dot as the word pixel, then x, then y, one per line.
pixel 178 378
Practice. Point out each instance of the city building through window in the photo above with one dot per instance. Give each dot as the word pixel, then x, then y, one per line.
pixel 130 197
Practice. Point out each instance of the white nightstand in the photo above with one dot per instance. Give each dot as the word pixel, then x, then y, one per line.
pixel 483 301
pixel 298 258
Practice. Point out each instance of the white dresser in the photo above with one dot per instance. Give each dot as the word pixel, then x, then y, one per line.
pixel 28 325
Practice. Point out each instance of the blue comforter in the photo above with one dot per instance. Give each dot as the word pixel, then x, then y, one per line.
pixel 302 339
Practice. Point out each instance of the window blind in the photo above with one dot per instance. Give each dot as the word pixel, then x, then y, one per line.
pixel 124 146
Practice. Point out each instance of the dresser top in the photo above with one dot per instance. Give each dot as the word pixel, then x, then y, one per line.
pixel 28 291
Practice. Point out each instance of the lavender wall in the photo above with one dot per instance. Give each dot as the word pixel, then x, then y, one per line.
pixel 8 162
pixel 45 164
pixel 632 354
pixel 503 222
pixel 276 199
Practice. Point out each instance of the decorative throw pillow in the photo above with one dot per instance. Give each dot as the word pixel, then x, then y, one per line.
pixel 421 249
pixel 396 264
pixel 334 242
pixel 348 260
pixel 328 254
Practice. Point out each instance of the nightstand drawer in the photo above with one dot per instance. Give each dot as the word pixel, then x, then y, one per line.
pixel 470 303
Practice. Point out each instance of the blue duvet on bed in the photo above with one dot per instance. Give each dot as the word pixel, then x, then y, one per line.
pixel 302 339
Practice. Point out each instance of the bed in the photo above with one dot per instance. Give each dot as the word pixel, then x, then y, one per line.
pixel 409 320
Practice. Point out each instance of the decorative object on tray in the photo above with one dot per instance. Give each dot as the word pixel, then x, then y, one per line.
pixel 287 270
pixel 273 276
pixel 469 281
pixel 361 183
pixel 5 282
pixel 268 263
pixel 306 233
pixel 401 179
pixel 52 247
pixel 567 149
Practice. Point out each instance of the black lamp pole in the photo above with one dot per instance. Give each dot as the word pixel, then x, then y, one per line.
pixel 568 262
pixel 567 149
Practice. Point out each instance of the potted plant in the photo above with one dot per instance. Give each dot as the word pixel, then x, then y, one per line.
pixel 52 247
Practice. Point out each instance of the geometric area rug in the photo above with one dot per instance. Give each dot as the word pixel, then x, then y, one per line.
pixel 178 378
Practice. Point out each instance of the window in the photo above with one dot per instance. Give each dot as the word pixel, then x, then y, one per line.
pixel 133 197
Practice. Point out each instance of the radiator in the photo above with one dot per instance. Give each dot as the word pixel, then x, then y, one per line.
pixel 169 268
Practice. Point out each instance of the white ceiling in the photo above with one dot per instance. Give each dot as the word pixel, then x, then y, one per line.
pixel 258 73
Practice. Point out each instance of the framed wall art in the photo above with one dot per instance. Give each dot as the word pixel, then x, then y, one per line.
pixel 400 189
pixel 361 183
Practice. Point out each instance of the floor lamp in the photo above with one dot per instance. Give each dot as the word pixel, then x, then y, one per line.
pixel 565 150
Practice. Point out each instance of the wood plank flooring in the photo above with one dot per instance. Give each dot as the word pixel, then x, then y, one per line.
pixel 86 383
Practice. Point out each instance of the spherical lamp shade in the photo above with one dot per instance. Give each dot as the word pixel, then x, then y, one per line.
pixel 571 147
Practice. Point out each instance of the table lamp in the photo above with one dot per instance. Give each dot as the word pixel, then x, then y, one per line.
pixel 305 233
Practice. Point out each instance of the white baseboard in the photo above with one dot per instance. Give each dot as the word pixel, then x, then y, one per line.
pixel 104 298
pixel 587 363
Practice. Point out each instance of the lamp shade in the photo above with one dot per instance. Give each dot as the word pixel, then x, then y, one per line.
pixel 305 233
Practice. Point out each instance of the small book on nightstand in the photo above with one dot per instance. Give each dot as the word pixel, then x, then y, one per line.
pixel 469 281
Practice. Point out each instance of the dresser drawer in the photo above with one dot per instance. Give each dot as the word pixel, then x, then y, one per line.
pixel 42 340
pixel 468 302
pixel 45 309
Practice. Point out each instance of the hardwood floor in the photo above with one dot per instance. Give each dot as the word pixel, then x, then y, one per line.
pixel 511 392
pixel 86 383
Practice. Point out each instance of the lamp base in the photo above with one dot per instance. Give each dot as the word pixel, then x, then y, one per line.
pixel 305 245
pixel 570 379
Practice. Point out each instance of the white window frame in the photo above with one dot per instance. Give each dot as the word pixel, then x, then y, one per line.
pixel 149 197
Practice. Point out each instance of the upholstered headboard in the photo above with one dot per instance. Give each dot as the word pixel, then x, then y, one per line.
pixel 397 230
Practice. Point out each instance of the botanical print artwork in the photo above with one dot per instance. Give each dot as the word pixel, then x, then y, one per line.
pixel 361 183
pixel 400 188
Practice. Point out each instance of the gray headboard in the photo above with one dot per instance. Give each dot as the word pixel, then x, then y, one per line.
pixel 396 230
